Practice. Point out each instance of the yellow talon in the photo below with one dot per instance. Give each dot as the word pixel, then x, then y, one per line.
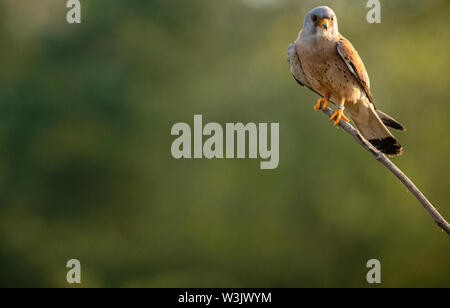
pixel 338 114
pixel 322 103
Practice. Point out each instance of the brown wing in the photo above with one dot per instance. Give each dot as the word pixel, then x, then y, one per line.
pixel 355 65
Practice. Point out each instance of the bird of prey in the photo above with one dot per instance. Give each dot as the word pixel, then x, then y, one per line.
pixel 322 60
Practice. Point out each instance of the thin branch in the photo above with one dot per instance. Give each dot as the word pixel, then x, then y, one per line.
pixel 437 217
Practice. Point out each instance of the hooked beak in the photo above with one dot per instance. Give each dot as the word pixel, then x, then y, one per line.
pixel 324 23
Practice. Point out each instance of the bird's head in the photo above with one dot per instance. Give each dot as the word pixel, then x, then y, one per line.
pixel 321 22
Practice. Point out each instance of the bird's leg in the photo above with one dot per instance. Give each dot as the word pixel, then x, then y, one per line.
pixel 339 113
pixel 322 102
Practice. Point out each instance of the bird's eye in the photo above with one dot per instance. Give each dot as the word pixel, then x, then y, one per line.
pixel 314 18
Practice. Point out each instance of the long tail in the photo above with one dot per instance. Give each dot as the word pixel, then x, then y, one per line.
pixel 371 126
pixel 390 121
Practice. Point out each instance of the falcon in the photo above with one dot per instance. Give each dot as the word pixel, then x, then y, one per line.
pixel 324 61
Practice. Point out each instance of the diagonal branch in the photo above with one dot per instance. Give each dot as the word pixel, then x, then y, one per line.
pixel 440 221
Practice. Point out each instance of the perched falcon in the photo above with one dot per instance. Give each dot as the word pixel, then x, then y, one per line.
pixel 322 60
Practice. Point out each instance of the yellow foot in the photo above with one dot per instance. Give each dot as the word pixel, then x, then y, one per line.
pixel 322 103
pixel 338 114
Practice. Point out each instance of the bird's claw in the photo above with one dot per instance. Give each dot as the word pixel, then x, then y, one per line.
pixel 338 115
pixel 322 103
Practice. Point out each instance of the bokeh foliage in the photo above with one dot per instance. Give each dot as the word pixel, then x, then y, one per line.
pixel 86 170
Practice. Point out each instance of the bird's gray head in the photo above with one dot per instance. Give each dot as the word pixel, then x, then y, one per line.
pixel 321 22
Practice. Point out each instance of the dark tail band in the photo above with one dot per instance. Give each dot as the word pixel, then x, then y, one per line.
pixel 388 146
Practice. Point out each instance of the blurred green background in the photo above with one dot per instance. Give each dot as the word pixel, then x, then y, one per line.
pixel 86 170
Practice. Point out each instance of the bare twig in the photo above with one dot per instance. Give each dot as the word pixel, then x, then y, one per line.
pixel 440 221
